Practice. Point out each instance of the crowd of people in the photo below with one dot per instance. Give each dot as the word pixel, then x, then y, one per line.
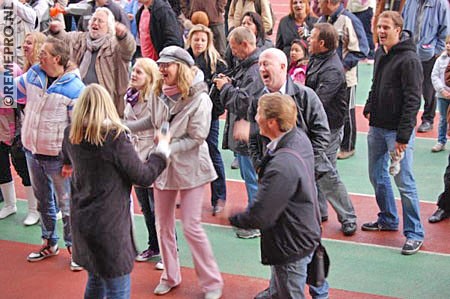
pixel 128 94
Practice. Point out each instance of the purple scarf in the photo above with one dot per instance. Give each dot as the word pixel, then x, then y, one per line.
pixel 132 96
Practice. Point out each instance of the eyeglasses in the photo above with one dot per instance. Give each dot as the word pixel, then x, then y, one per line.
pixel 44 54
pixel 164 65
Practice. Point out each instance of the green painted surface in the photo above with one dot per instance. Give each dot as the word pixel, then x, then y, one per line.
pixel 359 268
pixel 428 169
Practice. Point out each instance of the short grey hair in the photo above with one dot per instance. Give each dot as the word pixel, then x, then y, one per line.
pixel 240 34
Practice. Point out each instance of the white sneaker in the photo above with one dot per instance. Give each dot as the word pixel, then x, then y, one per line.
pixel 216 294
pixel 438 147
pixel 74 266
pixel 7 211
pixel 32 218
pixel 159 266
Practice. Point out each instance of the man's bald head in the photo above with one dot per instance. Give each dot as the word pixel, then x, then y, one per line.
pixel 273 67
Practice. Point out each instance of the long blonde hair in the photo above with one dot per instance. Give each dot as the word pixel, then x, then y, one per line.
pixel 38 39
pixel 153 75
pixel 94 116
pixel 185 77
pixel 211 54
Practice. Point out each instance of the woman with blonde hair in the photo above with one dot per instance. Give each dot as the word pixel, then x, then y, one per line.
pixel 105 165
pixel 31 48
pixel 11 149
pixel 182 100
pixel 201 47
pixel 144 75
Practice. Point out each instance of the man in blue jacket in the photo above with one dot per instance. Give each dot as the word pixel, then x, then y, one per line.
pixel 429 21
pixel 391 109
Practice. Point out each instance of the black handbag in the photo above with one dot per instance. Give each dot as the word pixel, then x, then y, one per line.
pixel 318 267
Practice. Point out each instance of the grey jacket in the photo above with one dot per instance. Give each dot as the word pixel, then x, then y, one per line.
pixel 311 118
pixel 189 164
pixel 246 87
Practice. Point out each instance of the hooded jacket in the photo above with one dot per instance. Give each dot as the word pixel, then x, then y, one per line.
pixel 189 164
pixel 394 98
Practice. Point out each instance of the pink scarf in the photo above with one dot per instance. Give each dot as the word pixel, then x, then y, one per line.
pixel 170 90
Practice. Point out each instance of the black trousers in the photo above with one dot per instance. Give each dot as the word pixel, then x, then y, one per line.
pixel 428 92
pixel 444 197
pixel 19 162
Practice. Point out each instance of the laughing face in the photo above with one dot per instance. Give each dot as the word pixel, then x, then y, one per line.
pixel 272 71
pixel 98 25
pixel 169 71
pixel 388 33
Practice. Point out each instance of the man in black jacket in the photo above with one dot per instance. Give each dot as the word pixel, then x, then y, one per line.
pixel 285 208
pixel 326 76
pixel 159 28
pixel 236 93
pixel 312 119
pixel 391 109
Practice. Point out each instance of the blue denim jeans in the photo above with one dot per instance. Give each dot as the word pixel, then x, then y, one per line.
pixel 111 288
pixel 147 202
pixel 443 105
pixel 288 281
pixel 380 143
pixel 248 174
pixel 218 186
pixel 48 187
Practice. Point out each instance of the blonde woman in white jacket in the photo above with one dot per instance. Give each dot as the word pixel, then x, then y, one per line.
pixel 183 101
pixel 140 91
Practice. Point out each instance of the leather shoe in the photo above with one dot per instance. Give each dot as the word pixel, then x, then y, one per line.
pixel 349 228
pixel 425 127
pixel 438 216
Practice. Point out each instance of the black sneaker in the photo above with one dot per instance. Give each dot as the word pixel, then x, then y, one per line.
pixel 375 226
pixel 411 246
pixel 45 252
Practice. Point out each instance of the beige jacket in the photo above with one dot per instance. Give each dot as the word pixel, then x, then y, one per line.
pixel 189 164
pixel 143 140
pixel 111 65
pixel 239 7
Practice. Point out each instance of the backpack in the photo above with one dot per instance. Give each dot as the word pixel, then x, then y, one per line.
pixel 258 10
